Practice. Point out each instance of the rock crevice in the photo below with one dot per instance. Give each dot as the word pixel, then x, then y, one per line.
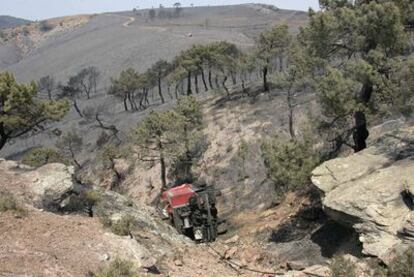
pixel 370 192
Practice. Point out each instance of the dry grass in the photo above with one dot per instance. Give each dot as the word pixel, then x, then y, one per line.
pixel 9 203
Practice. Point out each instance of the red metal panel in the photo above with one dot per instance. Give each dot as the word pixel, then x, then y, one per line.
pixel 179 196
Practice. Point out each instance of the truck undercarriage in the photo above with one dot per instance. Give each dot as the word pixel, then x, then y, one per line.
pixel 192 211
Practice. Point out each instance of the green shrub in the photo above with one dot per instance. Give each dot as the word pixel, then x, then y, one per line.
pixel 123 226
pixel 243 150
pixel 26 31
pixel 119 268
pixel 403 265
pixel 342 267
pixel 289 163
pixel 45 26
pixel 9 203
pixel 41 156
pixel 93 197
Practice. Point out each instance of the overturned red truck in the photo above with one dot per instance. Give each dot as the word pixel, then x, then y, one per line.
pixel 192 210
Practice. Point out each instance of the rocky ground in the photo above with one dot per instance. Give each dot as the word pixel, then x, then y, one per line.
pixel 360 214
pixel 359 205
pixel 373 192
pixel 50 239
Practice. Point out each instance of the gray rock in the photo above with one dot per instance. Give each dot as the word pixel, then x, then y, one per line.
pixel 104 257
pixel 47 187
pixel 372 191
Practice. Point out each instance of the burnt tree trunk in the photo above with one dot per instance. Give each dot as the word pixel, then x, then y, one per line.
pixel 210 77
pixel 203 78
pixel 3 140
pixel 163 166
pixel 75 105
pixel 224 85
pixel 291 107
pixel 265 84
pixel 160 90
pixel 361 132
pixel 125 103
pixel 290 117
pixel 196 83
pixel 189 92
pixel 131 103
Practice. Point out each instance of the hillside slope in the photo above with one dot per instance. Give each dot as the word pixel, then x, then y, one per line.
pixel 11 22
pixel 113 42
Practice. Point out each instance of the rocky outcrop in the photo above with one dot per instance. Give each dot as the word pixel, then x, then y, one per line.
pixel 46 187
pixel 373 191
pixel 49 240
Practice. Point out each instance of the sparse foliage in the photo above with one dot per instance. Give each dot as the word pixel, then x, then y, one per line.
pixel 127 87
pixel 70 145
pixel 295 81
pixel 272 45
pixel 108 155
pixel 47 84
pixel 95 115
pixel 119 268
pixel 41 156
pixel 191 137
pixel 86 81
pixel 123 226
pixel 342 267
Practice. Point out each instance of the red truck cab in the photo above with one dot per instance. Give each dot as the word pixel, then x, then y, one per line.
pixel 191 210
pixel 177 197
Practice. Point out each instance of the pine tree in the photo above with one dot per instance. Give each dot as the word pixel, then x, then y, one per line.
pixel 21 112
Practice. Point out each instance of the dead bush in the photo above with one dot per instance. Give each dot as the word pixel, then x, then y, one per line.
pixel 403 265
pixel 9 203
pixel 123 226
pixel 342 267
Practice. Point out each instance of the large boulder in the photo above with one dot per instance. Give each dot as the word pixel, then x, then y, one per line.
pixel 46 187
pixel 372 191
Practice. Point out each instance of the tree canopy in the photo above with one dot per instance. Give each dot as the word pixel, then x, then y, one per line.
pixel 359 48
pixel 21 112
